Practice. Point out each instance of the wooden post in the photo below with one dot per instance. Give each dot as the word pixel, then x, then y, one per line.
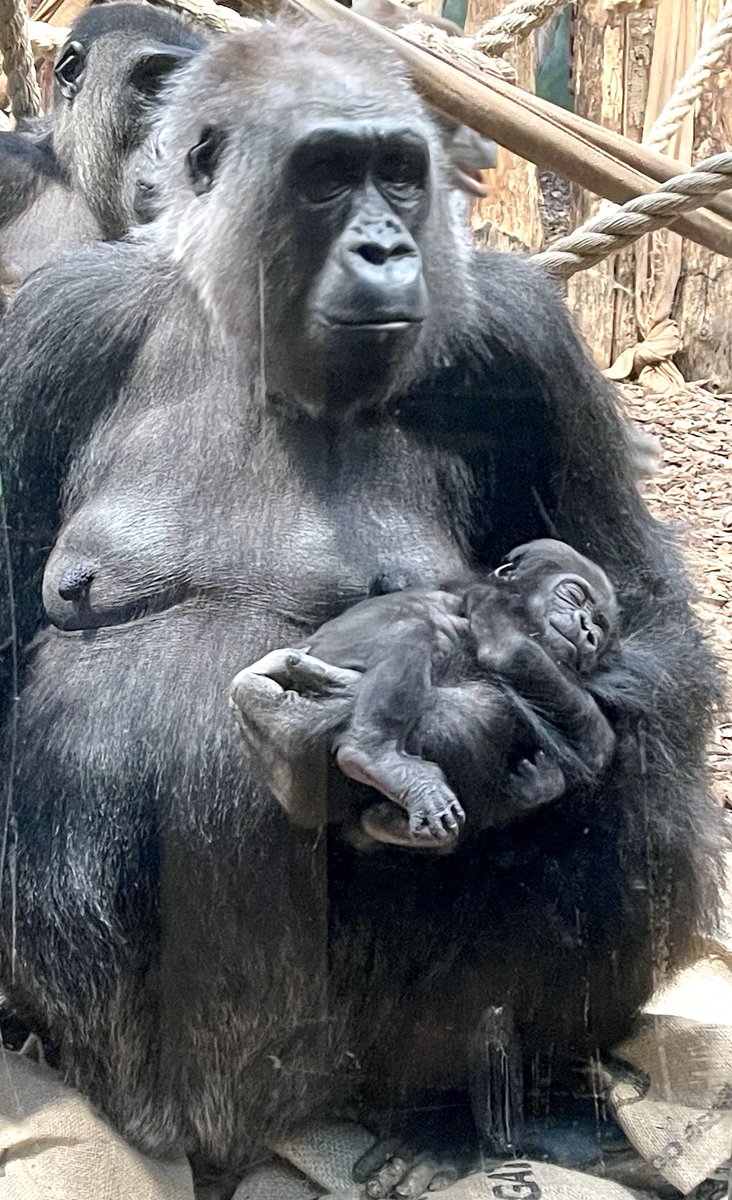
pixel 508 217
pixel 703 300
pixel 639 32
pixel 599 54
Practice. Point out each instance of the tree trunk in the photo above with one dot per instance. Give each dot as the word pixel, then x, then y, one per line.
pixel 508 217
pixel 703 300
pixel 599 52
pixel 639 31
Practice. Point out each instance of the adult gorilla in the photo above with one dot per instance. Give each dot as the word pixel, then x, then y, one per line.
pixel 299 378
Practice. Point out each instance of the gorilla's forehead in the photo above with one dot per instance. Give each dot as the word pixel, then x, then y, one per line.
pixel 318 124
pixel 275 72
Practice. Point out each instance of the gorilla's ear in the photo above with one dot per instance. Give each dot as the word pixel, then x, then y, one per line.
pixel 69 69
pixel 203 158
pixel 153 67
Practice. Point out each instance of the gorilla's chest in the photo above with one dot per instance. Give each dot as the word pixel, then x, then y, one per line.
pixel 294 524
pixel 318 540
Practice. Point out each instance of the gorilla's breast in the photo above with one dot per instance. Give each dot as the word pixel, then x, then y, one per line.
pixel 295 529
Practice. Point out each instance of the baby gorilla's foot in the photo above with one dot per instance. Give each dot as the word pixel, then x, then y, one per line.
pixel 537 781
pixel 436 812
pixel 428 810
pixel 388 825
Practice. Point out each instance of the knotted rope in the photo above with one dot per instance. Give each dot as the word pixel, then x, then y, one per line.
pixel 514 24
pixel 45 38
pixel 217 16
pixel 607 233
pixel 17 59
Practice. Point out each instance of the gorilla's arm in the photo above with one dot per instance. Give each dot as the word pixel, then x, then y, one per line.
pixel 27 165
pixel 62 362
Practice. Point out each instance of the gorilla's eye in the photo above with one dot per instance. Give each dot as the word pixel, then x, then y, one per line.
pixel 402 170
pixel 152 69
pixel 573 592
pixel 69 69
pixel 203 158
pixel 328 179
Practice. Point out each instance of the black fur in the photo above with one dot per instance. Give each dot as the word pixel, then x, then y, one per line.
pixel 208 975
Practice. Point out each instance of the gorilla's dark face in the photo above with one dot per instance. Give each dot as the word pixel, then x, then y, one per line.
pixel 312 213
pixel 359 193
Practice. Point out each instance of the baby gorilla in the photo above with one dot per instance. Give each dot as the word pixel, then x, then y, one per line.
pixel 413 681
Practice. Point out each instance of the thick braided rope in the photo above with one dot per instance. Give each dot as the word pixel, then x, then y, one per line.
pixel 216 15
pixel 709 60
pixel 607 233
pixel 514 24
pixel 46 38
pixel 17 59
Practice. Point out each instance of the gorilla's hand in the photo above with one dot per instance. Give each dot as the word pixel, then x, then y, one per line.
pixel 287 705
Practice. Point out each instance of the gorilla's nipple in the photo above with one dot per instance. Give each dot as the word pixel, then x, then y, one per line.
pixel 76 580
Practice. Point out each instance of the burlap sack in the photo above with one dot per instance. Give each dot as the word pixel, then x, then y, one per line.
pixel 327 1153
pixel 675 1105
pixel 277 1181
pixel 523 1180
pixel 53 1146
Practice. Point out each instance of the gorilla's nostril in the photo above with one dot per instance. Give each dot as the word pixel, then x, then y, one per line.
pixel 373 253
pixel 75 581
pixel 379 255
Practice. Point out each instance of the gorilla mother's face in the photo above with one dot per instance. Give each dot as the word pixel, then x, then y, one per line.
pixel 359 192
pixel 312 213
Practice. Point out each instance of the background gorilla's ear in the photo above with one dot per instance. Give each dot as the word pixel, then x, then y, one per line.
pixel 154 65
pixel 468 152
pixel 202 159
pixel 69 69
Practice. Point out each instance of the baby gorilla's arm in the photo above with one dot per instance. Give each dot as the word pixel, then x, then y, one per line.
pixel 523 664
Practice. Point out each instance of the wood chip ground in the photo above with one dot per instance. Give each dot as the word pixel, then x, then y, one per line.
pixel 694 490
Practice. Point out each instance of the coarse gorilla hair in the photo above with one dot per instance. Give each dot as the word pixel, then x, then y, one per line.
pixel 212 978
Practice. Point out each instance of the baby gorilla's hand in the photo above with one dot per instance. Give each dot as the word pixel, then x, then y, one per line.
pixel 536 781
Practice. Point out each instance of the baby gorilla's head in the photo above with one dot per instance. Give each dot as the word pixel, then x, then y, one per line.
pixel 567 601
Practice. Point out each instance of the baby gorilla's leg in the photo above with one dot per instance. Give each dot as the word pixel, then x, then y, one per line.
pixel 372 751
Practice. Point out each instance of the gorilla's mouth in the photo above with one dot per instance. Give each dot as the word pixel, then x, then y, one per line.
pixel 568 641
pixel 396 322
